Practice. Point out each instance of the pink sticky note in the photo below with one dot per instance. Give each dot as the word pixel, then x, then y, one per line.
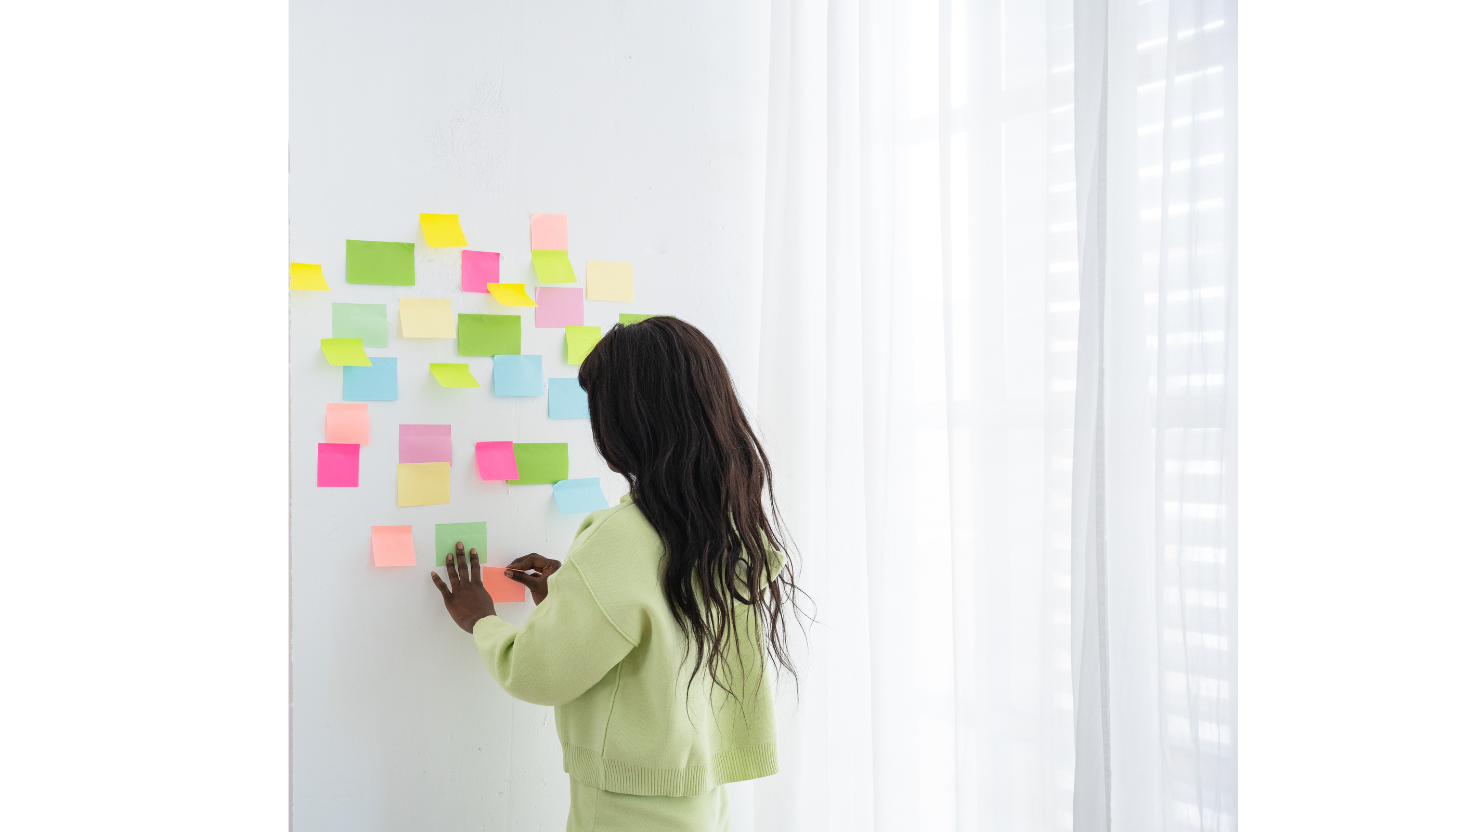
pixel 496 461
pixel 477 268
pixel 503 590
pixel 393 545
pixel 347 424
pixel 559 307
pixel 337 465
pixel 549 231
pixel 424 443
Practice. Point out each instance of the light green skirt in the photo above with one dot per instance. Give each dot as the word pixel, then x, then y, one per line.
pixel 594 809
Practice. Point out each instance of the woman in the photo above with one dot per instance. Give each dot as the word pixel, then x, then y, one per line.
pixel 652 639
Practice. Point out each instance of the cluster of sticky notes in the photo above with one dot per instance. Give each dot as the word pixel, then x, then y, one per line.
pixel 346 429
pixel 549 249
pixel 425 455
pixel 516 375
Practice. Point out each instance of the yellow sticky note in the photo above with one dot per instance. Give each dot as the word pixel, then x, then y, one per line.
pixel 610 281
pixel 345 352
pixel 442 229
pixel 580 342
pixel 308 276
pixel 424 483
pixel 426 318
pixel 510 294
pixel 453 375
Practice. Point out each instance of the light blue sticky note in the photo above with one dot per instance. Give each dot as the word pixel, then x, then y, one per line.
pixel 579 496
pixel 516 375
pixel 566 399
pixel 379 383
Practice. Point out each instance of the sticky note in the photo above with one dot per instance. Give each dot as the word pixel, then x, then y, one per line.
pixel 393 546
pixel 471 535
pixel 540 463
pixel 609 281
pixel 579 496
pixel 384 264
pixel 337 465
pixel 580 342
pixel 442 230
pixel 424 443
pixel 477 268
pixel 490 334
pixel 553 267
pixel 566 399
pixel 426 318
pixel 516 375
pixel 376 383
pixel 368 321
pixel 510 294
pixel 345 352
pixel 424 483
pixel 495 460
pixel 347 423
pixel 627 319
pixel 549 231
pixel 453 375
pixel 308 276
pixel 559 307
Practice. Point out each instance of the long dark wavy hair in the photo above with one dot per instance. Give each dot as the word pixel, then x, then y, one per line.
pixel 666 416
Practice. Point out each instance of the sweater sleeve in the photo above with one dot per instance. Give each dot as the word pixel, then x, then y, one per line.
pixel 566 645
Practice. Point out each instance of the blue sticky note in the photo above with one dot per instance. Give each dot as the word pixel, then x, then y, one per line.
pixel 378 383
pixel 566 399
pixel 516 375
pixel 579 496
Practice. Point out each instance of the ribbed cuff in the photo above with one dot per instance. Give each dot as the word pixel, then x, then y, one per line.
pixel 626 778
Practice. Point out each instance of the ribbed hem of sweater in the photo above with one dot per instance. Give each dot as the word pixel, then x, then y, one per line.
pixel 626 778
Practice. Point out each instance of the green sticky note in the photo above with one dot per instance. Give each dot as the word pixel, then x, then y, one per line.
pixel 345 352
pixel 453 375
pixel 580 342
pixel 540 463
pixel 386 264
pixel 553 266
pixel 368 321
pixel 627 319
pixel 473 535
pixel 489 334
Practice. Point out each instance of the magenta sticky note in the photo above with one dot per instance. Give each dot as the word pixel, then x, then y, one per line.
pixel 477 268
pixel 337 465
pixel 496 461
pixel 559 307
pixel 424 443
pixel 393 545
pixel 549 231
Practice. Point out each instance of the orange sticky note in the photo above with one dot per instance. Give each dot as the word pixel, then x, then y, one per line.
pixel 393 545
pixel 503 590
pixel 347 424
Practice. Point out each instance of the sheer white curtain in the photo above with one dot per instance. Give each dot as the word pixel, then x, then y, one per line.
pixel 920 348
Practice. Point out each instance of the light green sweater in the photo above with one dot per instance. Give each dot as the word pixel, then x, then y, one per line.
pixel 604 649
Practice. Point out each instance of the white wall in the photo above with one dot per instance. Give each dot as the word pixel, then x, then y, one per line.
pixel 644 123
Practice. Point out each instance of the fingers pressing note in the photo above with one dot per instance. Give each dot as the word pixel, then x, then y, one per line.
pixel 452 569
pixel 474 567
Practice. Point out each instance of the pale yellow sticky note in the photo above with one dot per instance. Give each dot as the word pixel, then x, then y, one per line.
pixel 308 276
pixel 510 294
pixel 424 483
pixel 426 318
pixel 442 229
pixel 610 281
pixel 345 352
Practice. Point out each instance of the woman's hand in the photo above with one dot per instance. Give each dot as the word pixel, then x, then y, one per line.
pixel 466 597
pixel 536 583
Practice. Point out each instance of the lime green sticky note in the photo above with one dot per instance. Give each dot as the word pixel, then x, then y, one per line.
pixel 345 352
pixel 442 229
pixel 470 535
pixel 368 321
pixel 386 264
pixel 627 319
pixel 453 375
pixel 553 266
pixel 540 463
pixel 308 276
pixel 580 342
pixel 490 334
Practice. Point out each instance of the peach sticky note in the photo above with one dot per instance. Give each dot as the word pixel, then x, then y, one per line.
pixel 442 229
pixel 510 294
pixel 549 231
pixel 426 318
pixel 308 276
pixel 393 545
pixel 503 590
pixel 496 461
pixel 347 424
pixel 477 268
pixel 424 483
pixel 610 281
